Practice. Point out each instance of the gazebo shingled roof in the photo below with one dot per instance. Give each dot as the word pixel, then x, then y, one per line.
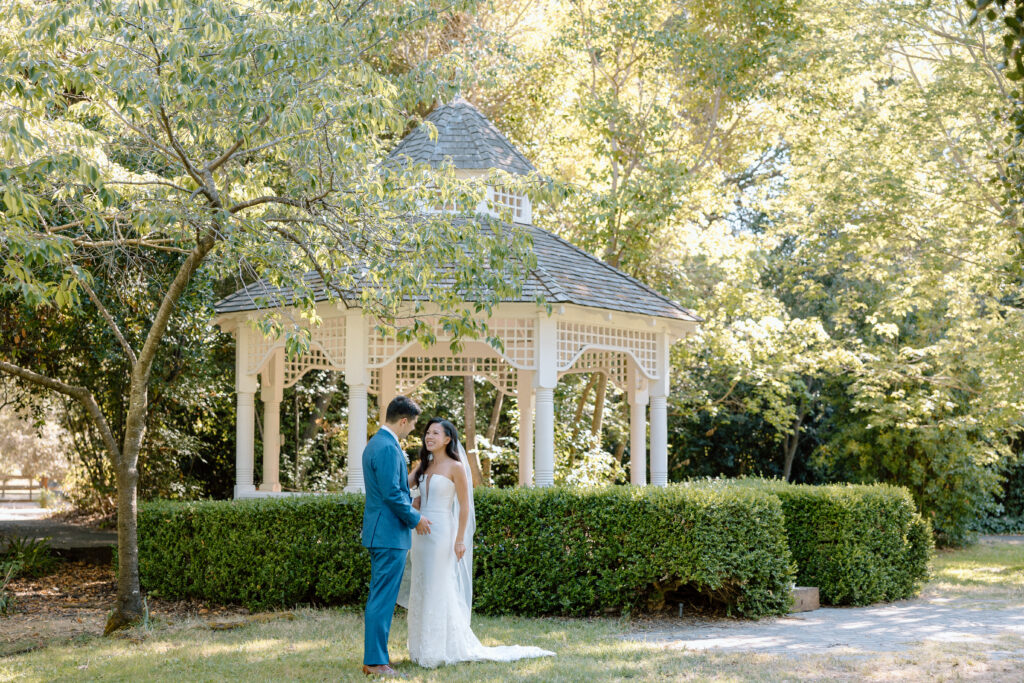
pixel 564 274
pixel 466 139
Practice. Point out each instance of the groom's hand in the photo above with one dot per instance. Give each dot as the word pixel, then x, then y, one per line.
pixel 423 528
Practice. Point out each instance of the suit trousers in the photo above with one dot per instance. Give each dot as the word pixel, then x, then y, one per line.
pixel 386 568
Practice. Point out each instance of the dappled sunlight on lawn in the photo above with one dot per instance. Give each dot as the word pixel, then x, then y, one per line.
pixel 977 574
pixel 972 587
pixel 982 573
pixel 326 645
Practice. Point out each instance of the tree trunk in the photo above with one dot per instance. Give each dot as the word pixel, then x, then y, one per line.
pixel 469 396
pixel 492 430
pixel 602 387
pixel 128 605
pixel 580 404
pixel 792 441
pixel 320 407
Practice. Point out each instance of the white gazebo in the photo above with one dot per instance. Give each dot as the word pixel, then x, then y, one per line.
pixel 602 321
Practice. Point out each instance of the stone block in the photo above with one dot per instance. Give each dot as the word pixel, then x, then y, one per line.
pixel 805 599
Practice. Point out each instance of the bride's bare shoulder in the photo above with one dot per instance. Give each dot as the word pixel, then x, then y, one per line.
pixel 458 474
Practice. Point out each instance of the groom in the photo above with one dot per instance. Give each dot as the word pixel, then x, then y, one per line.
pixel 387 518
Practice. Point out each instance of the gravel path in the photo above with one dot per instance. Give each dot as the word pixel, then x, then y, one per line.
pixel 882 628
pixel 993 626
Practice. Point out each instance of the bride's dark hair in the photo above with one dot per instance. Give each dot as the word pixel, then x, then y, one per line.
pixel 452 449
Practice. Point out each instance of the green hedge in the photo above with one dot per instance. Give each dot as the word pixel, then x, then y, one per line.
pixel 858 544
pixel 271 552
pixel 572 552
pixel 737 545
pixel 538 551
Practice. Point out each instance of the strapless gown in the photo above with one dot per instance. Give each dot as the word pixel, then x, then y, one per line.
pixel 439 631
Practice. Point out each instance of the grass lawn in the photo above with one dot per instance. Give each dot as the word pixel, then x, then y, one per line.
pixel 986 572
pixel 326 645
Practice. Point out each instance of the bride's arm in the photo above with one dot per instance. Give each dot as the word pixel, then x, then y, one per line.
pixel 413 484
pixel 462 491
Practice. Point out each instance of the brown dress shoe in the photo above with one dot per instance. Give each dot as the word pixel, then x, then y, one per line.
pixel 381 670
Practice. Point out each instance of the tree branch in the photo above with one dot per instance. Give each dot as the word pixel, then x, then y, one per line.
pixel 147 182
pixel 217 163
pixel 146 136
pixel 180 153
pixel 265 199
pixel 80 394
pixel 138 402
pixel 106 316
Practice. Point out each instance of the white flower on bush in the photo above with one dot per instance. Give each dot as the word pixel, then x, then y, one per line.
pixel 594 467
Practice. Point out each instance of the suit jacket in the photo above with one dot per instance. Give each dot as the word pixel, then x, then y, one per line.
pixel 388 515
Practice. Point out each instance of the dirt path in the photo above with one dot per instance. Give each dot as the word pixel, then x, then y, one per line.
pixel 70 540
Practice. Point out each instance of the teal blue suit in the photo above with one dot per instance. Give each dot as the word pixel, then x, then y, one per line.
pixel 388 518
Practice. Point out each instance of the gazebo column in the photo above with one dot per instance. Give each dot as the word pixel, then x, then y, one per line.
pixel 659 415
pixel 638 399
pixel 245 417
pixel 357 376
pixel 546 379
pixel 271 391
pixel 524 396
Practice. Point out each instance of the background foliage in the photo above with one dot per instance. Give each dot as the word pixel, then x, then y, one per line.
pixel 834 186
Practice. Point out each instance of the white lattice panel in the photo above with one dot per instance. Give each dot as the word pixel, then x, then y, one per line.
pixel 575 338
pixel 315 359
pixel 615 364
pixel 327 340
pixel 513 202
pixel 259 349
pixel 412 371
pixel 381 349
pixel 517 335
pixel 330 337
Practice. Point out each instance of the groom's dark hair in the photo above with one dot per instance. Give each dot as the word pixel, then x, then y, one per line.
pixel 402 406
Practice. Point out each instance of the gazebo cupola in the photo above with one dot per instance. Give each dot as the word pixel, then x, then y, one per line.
pixel 474 148
pixel 601 320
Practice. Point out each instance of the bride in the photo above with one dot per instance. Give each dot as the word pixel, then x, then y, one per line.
pixel 439 593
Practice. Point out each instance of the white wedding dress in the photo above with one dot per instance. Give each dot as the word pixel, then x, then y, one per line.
pixel 439 631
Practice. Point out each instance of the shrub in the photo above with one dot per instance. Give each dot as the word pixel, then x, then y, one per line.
pixel 573 552
pixel 538 551
pixel 32 556
pixel 8 570
pixel 263 553
pixel 1007 516
pixel 562 551
pixel 1000 525
pixel 858 544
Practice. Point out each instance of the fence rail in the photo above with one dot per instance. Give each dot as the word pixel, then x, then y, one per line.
pixel 19 489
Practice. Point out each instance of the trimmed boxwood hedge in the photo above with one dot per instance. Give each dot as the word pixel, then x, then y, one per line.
pixel 271 552
pixel 573 552
pixel 557 551
pixel 538 551
pixel 858 544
